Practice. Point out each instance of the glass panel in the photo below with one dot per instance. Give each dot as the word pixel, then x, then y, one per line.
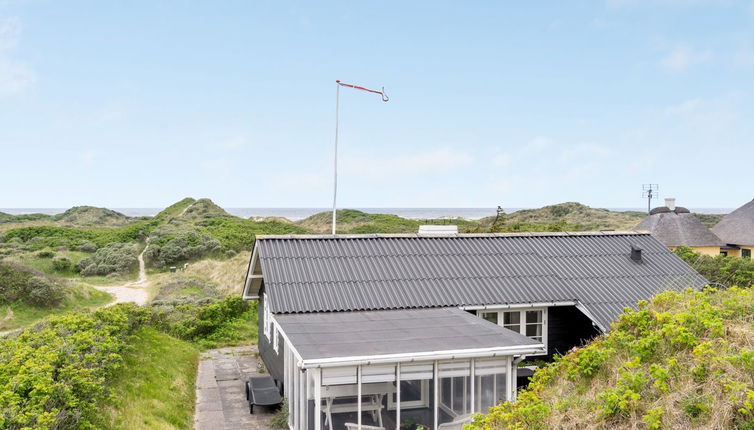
pixel 510 318
pixel 455 390
pixel 490 383
pixel 512 321
pixel 533 317
pixel 490 316
pixel 416 399
pixel 534 330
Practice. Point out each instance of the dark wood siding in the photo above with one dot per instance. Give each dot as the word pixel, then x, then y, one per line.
pixel 272 361
pixel 567 327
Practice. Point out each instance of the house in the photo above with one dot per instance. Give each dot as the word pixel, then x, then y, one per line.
pixel 675 226
pixel 390 330
pixel 737 230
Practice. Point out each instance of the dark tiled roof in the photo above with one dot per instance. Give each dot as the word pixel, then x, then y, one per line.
pixel 373 333
pixel 372 272
pixel 678 228
pixel 738 226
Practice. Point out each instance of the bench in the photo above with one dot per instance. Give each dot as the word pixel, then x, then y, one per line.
pixel 262 391
pixel 372 403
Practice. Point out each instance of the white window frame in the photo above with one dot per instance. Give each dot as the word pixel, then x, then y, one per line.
pixel 521 321
pixel 275 337
pixel 267 317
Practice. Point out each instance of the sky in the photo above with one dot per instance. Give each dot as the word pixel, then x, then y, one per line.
pixel 519 104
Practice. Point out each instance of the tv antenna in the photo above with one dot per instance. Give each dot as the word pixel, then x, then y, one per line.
pixel 649 191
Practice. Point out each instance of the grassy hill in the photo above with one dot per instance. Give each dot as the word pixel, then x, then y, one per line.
pixel 350 221
pixel 568 216
pixel 685 360
pixel 87 216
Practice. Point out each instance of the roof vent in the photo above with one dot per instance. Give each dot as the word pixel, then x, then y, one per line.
pixel 636 253
pixel 670 203
pixel 438 229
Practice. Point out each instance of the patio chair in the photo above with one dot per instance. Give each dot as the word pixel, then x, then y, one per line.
pixel 456 424
pixel 352 426
pixel 262 391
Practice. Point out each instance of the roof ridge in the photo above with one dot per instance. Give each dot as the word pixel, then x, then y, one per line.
pixel 454 235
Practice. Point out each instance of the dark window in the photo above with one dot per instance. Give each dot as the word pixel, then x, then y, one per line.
pixel 746 253
pixel 725 253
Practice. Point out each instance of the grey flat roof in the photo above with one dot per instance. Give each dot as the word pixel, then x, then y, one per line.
pixel 319 336
pixel 374 272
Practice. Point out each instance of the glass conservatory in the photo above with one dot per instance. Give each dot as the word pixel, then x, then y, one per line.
pixel 396 369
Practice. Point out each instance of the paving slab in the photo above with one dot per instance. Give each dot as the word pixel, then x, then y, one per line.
pixel 220 392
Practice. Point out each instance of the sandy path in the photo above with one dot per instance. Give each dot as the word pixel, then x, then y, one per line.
pixel 133 292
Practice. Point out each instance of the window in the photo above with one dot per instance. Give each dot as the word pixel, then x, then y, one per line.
pixel 490 316
pixel 746 253
pixel 512 321
pixel 724 253
pixel 531 323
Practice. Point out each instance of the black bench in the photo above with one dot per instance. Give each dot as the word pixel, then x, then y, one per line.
pixel 262 391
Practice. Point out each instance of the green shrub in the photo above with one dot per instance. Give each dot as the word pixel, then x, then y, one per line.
pixel 721 269
pixel 112 258
pixel 62 264
pixel 54 375
pixel 20 284
pixel 87 246
pixel 193 322
pixel 45 254
pixel 171 247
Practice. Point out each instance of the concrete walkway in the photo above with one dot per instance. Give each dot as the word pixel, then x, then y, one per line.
pixel 220 395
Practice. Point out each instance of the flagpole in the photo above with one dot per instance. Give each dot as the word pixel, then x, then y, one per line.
pixel 335 161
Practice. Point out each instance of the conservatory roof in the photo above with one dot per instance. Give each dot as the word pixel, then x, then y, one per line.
pixel 341 338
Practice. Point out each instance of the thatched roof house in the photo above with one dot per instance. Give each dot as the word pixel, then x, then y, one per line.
pixel 675 226
pixel 737 228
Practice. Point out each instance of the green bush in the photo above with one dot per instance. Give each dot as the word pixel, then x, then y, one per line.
pixel 720 269
pixel 54 375
pixel 22 285
pixel 112 258
pixel 193 322
pixel 62 264
pixel 170 247
pixel 45 254
pixel 87 246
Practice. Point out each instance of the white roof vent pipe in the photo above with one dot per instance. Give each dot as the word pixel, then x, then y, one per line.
pixel 438 229
pixel 670 203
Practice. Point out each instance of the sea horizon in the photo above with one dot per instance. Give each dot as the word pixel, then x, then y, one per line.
pixel 296 214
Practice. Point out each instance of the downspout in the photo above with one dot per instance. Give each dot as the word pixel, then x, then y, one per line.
pixel 514 375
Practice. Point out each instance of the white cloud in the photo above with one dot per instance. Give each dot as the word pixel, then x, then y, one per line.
pixel 537 144
pixel 237 142
pixel 501 160
pixel 438 160
pixel 744 58
pixel 87 158
pixel 685 107
pixel 582 151
pixel 15 76
pixel 683 57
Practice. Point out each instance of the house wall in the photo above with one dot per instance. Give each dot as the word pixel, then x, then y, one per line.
pixel 567 327
pixel 704 250
pixel 733 252
pixel 272 361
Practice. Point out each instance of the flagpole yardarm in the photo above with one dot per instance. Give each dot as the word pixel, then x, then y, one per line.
pixel 339 84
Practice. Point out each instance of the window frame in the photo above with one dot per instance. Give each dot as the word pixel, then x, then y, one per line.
pixel 746 251
pixel 521 321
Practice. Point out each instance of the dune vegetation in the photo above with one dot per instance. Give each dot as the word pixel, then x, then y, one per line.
pixel 683 360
